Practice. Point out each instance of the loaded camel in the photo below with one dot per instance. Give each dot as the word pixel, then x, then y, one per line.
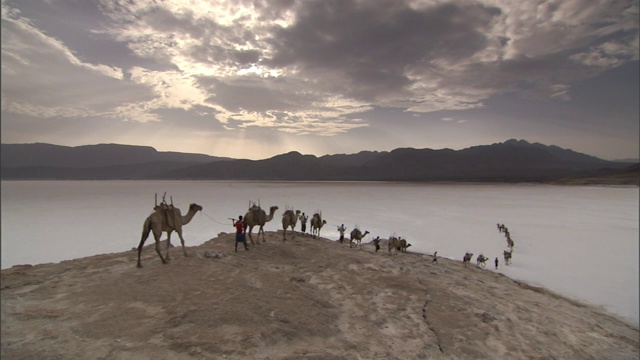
pixel 316 224
pixel 510 243
pixel 166 218
pixel 289 219
pixel 481 260
pixel 397 243
pixel 394 243
pixel 404 245
pixel 467 258
pixel 507 257
pixel 256 216
pixel 357 235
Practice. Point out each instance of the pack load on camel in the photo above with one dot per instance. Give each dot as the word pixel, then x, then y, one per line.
pixel 168 211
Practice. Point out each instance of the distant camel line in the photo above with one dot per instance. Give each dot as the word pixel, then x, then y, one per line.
pixel 168 218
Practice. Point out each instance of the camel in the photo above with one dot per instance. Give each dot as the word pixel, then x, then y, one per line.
pixel 289 219
pixel 257 216
pixel 166 218
pixel 481 260
pixel 316 224
pixel 507 257
pixel 394 243
pixel 357 235
pixel 467 258
pixel 404 245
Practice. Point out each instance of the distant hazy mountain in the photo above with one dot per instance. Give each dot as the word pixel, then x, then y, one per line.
pixel 629 160
pixel 103 161
pixel 512 160
pixel 14 155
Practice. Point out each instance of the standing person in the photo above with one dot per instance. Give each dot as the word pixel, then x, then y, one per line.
pixel 435 257
pixel 303 223
pixel 341 228
pixel 240 233
pixel 496 262
pixel 376 242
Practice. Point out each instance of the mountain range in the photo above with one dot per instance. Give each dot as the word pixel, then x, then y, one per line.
pixel 509 161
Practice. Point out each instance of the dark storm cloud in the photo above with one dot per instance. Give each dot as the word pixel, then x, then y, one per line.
pixel 372 45
pixel 251 94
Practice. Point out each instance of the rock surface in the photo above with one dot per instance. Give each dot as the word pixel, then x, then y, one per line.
pixel 305 298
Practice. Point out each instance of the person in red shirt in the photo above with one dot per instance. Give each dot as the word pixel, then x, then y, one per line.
pixel 240 237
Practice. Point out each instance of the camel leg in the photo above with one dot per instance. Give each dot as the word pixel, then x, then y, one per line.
pixel 284 235
pixel 182 242
pixel 167 257
pixel 250 237
pixel 157 233
pixel 145 234
pixel 261 231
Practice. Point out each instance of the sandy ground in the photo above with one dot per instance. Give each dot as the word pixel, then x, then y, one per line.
pixel 303 299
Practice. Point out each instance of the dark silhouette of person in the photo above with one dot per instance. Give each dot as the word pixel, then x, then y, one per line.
pixel 341 229
pixel 303 223
pixel 376 242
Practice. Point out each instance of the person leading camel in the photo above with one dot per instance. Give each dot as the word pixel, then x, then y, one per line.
pixel 303 223
pixel 341 229
pixel 376 242
pixel 240 237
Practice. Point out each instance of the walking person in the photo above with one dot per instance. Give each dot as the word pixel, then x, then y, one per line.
pixel 496 262
pixel 240 236
pixel 376 242
pixel 435 257
pixel 303 223
pixel 341 229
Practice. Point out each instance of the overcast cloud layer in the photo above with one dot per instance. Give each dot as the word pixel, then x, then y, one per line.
pixel 252 79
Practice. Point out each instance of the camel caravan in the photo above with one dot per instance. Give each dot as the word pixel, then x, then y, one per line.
pixel 507 255
pixel 168 218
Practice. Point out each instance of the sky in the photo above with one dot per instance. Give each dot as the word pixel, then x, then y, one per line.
pixel 254 79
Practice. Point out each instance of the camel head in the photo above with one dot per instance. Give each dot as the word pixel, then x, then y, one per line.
pixel 365 233
pixel 273 209
pixel 195 207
